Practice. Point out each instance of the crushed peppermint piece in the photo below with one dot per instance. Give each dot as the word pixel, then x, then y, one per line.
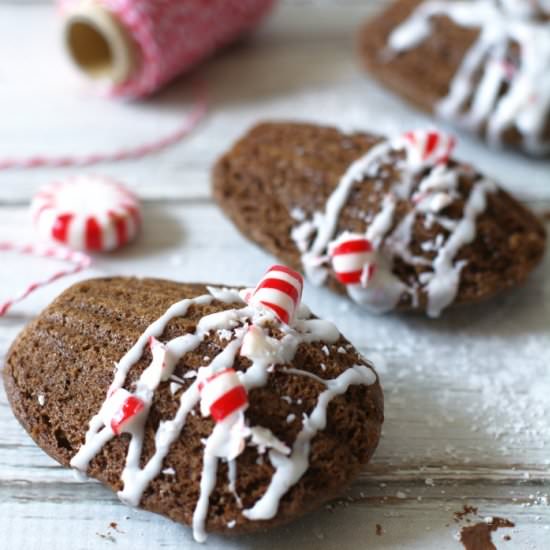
pixel 297 214
pixel 225 334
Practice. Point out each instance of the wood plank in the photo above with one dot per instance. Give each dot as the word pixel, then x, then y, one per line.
pixel 295 68
pixel 422 519
pixel 467 397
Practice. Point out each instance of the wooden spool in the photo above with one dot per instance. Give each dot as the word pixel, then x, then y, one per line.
pixel 98 44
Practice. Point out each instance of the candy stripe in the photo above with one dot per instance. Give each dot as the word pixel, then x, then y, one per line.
pixel 348 247
pixel 60 229
pixel 426 148
pixel 93 235
pixel 276 297
pixel 283 286
pixel 210 379
pixel 294 274
pixel 228 403
pixel 131 407
pixel 349 262
pixel 350 278
pixel 281 313
pixel 120 227
pixel 432 141
pixel 222 394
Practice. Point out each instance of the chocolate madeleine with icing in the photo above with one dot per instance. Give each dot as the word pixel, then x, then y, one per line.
pixel 394 223
pixel 197 402
pixel 483 65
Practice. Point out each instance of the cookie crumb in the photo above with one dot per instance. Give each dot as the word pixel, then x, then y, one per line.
pixel 465 512
pixel 478 536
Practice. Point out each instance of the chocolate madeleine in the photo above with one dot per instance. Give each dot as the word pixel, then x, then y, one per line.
pixel 193 404
pixel 483 65
pixel 394 223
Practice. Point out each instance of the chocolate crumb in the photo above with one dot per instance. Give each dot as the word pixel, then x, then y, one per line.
pixel 466 511
pixel 379 530
pixel 478 536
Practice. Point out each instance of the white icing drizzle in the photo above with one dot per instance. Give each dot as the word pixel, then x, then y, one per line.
pixel 230 435
pixel 441 287
pixel 325 223
pixel 525 105
pixel 289 469
pixel 429 190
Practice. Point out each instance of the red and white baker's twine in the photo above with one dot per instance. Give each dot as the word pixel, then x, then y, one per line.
pixel 175 35
pixel 78 260
pixel 279 290
pixel 187 126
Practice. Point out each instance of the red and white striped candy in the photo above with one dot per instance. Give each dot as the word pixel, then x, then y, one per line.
pixel 353 259
pixel 428 147
pixel 279 290
pixel 121 411
pixel 87 213
pixel 222 394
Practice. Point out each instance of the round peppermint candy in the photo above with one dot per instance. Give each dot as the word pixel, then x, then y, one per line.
pixel 87 213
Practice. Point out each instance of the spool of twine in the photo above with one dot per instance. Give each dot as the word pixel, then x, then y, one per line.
pixel 137 46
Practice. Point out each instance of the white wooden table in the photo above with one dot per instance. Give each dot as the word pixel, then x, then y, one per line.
pixel 467 396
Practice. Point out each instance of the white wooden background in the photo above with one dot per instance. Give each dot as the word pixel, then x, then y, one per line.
pixel 467 396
